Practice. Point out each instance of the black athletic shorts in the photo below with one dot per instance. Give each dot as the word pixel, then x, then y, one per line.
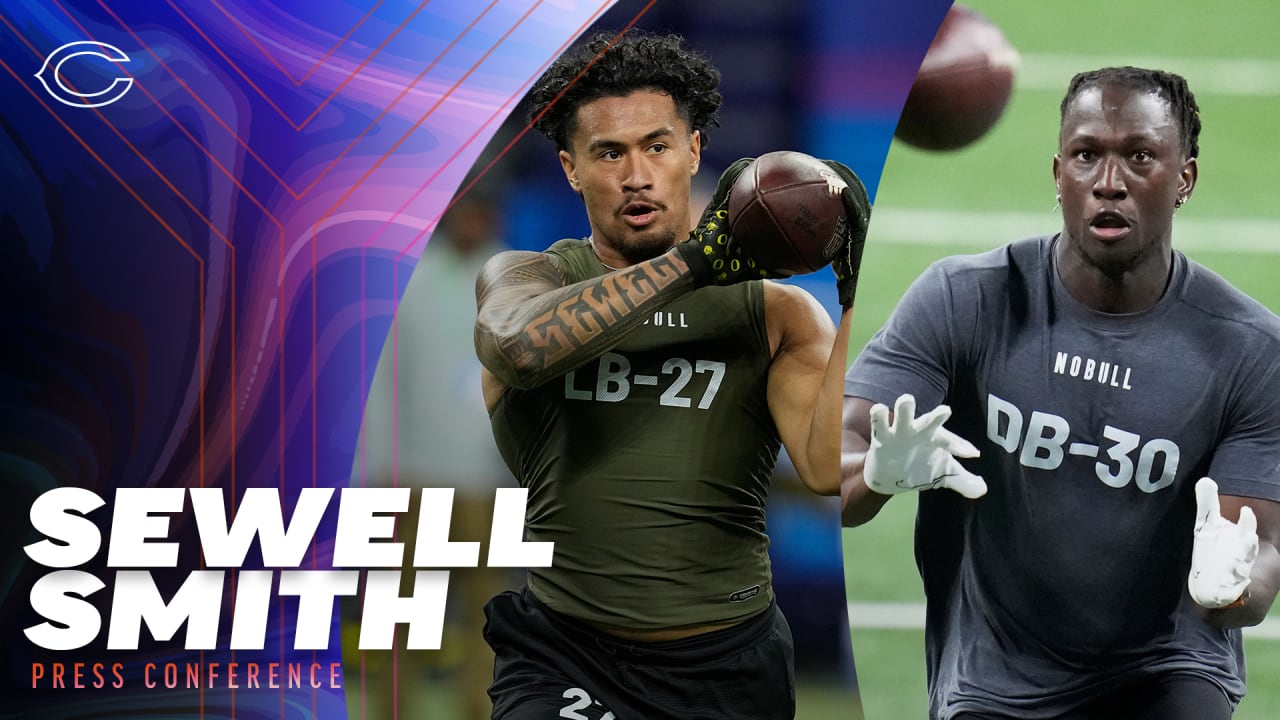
pixel 550 666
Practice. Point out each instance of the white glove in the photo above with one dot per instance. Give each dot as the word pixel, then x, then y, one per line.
pixel 917 453
pixel 1223 554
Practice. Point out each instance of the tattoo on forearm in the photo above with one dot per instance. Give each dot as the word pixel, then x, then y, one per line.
pixel 573 324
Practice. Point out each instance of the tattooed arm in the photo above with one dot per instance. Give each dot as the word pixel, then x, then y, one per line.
pixel 531 327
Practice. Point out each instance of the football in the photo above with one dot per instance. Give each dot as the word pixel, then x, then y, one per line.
pixel 785 212
pixel 963 84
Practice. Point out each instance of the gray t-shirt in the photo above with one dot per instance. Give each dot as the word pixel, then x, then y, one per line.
pixel 1070 576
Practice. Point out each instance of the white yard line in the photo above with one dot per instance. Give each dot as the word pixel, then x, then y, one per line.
pixel 984 230
pixel 886 616
pixel 910 616
pixel 1206 76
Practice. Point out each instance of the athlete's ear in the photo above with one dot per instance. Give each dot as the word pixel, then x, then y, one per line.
pixel 695 148
pixel 1187 179
pixel 570 170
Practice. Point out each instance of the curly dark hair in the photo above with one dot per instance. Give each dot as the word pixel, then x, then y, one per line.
pixel 601 67
pixel 1172 87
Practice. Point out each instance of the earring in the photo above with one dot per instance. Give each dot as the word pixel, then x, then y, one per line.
pixel 1180 202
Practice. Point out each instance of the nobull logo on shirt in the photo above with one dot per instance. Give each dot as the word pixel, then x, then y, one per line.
pixel 667 319
pixel 1088 369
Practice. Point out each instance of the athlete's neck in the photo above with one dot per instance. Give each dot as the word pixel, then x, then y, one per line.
pixel 591 239
pixel 1129 290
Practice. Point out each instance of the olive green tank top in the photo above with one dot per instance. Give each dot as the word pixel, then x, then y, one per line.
pixel 649 466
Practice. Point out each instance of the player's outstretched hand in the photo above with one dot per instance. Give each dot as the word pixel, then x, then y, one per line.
pixel 857 212
pixel 1223 554
pixel 710 251
pixel 917 453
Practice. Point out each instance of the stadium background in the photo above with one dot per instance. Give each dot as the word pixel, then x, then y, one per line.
pixel 999 189
pixel 150 331
pixel 198 278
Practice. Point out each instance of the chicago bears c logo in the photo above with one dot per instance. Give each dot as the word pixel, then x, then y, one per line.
pixel 50 75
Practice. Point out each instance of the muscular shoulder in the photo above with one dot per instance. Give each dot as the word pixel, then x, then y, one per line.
pixel 789 298
pixel 965 288
pixel 1219 301
pixel 1022 262
pixel 792 315
pixel 519 266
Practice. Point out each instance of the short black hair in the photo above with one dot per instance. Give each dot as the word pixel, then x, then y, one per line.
pixel 601 67
pixel 1170 86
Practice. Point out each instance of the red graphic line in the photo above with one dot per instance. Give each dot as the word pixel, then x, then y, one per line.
pixel 395 328
pixel 212 158
pixel 123 139
pixel 234 441
pixel 363 272
pixel 395 663
pixel 233 409
pixel 251 152
pixel 235 180
pixel 364 361
pixel 362 65
pixel 282 660
pixel 216 231
pixel 422 118
pixel 315 279
pixel 315 399
pixel 341 42
pixel 201 376
pixel 145 206
pixel 271 58
pixel 502 111
pixel 265 96
pixel 351 76
pixel 395 374
pixel 407 89
pixel 522 133
pixel 104 164
pixel 223 55
pixel 212 227
pixel 239 72
pixel 200 101
pixel 360 181
pixel 201 379
pixel 280 302
pixel 281 438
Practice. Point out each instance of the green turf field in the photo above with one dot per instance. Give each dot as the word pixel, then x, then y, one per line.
pixel 1001 188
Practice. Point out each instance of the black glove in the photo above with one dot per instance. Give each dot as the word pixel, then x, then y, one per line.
pixel 857 210
pixel 710 252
